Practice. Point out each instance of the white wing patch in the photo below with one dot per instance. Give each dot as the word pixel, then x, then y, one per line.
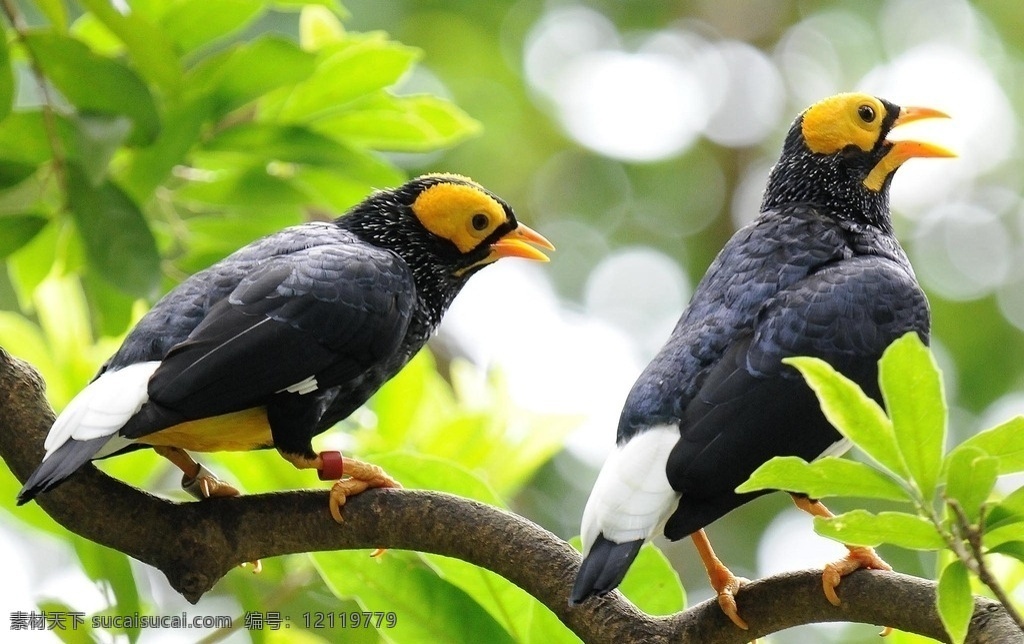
pixel 305 386
pixel 632 495
pixel 103 407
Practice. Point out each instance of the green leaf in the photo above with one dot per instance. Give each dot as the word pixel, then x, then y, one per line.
pixel 118 242
pixel 6 77
pixel 14 172
pixel 954 601
pixel 249 187
pixel 94 83
pixel 18 230
pixel 99 137
pixel 863 528
pixel 852 412
pixel 31 263
pixel 1004 442
pixel 829 476
pixel 1013 549
pixel 652 584
pixel 148 167
pixel 55 13
pixel 1007 531
pixel 291 143
pixel 912 388
pixel 428 608
pixel 153 53
pixel 250 70
pixel 401 124
pixel 112 570
pixel 357 69
pixel 319 27
pixel 194 23
pixel 970 477
pixel 1010 509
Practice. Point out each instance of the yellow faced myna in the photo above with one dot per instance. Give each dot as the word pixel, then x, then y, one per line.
pixel 818 273
pixel 287 336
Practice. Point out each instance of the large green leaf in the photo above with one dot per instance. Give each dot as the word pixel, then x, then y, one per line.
pixel 150 49
pixel 400 123
pixel 428 608
pixel 912 387
pixel 852 412
pixel 954 601
pixel 357 67
pixel 829 476
pixel 1004 442
pixel 863 528
pixel 652 584
pixel 99 137
pixel 94 83
pixel 970 477
pixel 118 242
pixel 249 70
pixel 291 143
pixel 190 24
pixel 18 230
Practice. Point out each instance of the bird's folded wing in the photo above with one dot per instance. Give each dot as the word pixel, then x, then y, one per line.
pixel 328 309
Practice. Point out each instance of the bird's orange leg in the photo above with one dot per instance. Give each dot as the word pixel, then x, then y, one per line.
pixel 201 482
pixel 351 478
pixel 722 580
pixel 858 557
pixel 196 480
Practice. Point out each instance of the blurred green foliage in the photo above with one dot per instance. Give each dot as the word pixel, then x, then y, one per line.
pixel 179 130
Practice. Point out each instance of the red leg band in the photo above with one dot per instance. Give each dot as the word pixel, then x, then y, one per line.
pixel 333 466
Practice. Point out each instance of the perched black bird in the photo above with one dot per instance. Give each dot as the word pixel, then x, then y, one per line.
pixel 287 336
pixel 818 273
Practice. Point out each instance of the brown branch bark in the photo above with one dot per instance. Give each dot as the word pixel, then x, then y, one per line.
pixel 195 544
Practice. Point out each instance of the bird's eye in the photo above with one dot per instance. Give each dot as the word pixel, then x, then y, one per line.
pixel 866 113
pixel 480 221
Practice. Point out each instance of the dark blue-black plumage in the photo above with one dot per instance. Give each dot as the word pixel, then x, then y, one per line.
pixel 340 305
pixel 817 273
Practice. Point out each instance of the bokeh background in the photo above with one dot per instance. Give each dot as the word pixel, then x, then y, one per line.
pixel 637 136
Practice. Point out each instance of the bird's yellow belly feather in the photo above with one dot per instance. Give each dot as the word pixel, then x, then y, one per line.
pixel 235 432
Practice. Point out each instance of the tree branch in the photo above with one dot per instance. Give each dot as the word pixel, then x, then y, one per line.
pixel 200 542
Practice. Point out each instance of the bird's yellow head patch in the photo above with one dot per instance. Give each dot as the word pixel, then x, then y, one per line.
pixel 835 123
pixel 460 211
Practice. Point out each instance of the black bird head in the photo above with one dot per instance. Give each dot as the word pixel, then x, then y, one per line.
pixel 837 157
pixel 446 227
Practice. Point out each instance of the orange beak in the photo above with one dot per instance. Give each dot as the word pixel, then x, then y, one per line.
pixel 904 150
pixel 518 242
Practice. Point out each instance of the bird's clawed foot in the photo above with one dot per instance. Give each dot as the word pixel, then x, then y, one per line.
pixel 727 585
pixel 722 580
pixel 859 557
pixel 201 483
pixel 205 485
pixel 360 477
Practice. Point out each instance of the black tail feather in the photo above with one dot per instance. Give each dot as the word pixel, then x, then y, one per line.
pixel 603 568
pixel 61 464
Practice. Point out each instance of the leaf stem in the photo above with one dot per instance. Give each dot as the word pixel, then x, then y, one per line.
pixel 973 535
pixel 49 114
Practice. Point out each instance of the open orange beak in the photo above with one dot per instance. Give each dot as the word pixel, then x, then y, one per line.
pixel 520 242
pixel 903 150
